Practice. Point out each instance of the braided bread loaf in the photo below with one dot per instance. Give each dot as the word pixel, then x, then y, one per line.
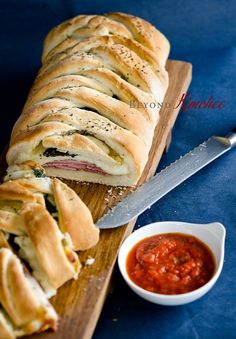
pixel 78 121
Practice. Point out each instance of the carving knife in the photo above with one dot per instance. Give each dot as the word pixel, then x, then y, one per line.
pixel 163 182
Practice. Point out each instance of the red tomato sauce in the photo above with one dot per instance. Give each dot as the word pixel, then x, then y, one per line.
pixel 171 263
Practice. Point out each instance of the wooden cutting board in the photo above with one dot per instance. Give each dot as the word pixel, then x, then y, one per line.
pixel 79 303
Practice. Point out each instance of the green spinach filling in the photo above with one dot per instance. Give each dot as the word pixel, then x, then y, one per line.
pixel 53 152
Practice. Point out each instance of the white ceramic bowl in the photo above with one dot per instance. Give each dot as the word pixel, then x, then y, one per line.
pixel 212 235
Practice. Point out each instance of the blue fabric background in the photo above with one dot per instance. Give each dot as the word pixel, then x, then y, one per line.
pixel 203 33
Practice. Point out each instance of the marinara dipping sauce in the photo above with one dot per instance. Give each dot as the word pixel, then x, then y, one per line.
pixel 171 263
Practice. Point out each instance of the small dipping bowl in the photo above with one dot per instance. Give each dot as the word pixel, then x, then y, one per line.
pixel 213 235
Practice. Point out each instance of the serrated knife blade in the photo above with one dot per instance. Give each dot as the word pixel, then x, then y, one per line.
pixel 163 182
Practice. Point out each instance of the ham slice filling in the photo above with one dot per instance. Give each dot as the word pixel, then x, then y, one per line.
pixel 74 165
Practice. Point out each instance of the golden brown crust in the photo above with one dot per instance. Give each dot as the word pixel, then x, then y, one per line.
pixel 13 191
pixel 6 330
pixel 105 105
pixel 144 33
pixel 74 217
pixel 36 113
pixel 3 241
pixel 120 24
pixel 82 25
pixel 71 47
pixel 106 69
pixel 11 222
pixel 34 185
pixel 14 288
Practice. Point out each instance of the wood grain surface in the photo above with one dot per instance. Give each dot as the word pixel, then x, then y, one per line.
pixel 79 303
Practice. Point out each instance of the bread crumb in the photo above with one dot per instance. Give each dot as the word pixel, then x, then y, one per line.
pixel 89 261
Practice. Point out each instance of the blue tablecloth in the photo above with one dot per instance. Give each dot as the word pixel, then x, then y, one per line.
pixel 203 33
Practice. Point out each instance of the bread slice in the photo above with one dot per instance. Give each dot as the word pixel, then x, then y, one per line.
pixel 46 249
pixel 63 204
pixel 49 222
pixel 25 308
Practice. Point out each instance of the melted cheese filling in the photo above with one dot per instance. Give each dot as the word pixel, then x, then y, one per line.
pixel 111 162
pixel 27 253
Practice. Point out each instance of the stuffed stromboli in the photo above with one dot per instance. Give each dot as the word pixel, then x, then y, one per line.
pixel 93 108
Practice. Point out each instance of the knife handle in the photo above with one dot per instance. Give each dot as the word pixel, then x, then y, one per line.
pixel 229 140
pixel 232 137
